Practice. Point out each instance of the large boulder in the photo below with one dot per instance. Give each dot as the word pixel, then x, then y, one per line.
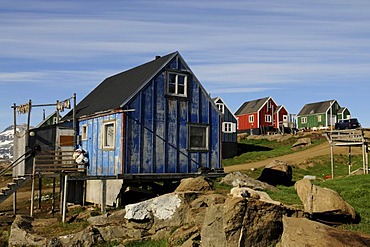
pixel 304 232
pixel 193 184
pixel 20 233
pixel 324 203
pixel 238 179
pixel 277 173
pixel 242 222
pixel 302 142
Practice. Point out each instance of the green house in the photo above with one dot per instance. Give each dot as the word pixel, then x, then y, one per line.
pixel 321 115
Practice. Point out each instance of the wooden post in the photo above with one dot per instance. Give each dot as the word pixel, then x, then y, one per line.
pixel 53 199
pixel 61 183
pixel 40 191
pixel 74 122
pixel 15 202
pixel 367 158
pixel 28 122
pixel 32 195
pixel 363 158
pixel 64 209
pixel 332 161
pixel 349 160
pixel 15 174
pixel 103 195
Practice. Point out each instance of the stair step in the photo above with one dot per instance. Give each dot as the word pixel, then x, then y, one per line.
pixel 4 190
pixel 11 184
pixel 19 178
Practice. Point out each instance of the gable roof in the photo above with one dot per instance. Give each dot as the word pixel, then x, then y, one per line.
pixel 118 89
pixel 251 106
pixel 316 108
pixel 218 99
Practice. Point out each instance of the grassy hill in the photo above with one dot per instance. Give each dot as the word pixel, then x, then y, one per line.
pixel 355 189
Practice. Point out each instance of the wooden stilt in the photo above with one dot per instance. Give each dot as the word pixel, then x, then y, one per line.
pixel 349 160
pixel 15 202
pixel 61 186
pixel 65 199
pixel 53 198
pixel 32 196
pixel 332 161
pixel 40 191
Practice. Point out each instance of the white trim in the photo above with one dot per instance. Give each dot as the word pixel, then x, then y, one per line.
pixel 228 127
pixel 84 132
pixel 228 108
pixel 105 145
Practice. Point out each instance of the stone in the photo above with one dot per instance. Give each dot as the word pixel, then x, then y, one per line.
pixel 277 173
pixel 250 193
pixel 238 179
pixel 304 232
pixel 302 142
pixel 194 184
pixel 324 203
pixel 161 207
pixel 20 233
pixel 182 234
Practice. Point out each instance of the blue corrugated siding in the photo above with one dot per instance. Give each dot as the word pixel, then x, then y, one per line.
pixel 157 130
pixel 102 162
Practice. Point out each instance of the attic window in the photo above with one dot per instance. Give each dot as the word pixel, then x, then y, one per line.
pixel 177 84
pixel 221 107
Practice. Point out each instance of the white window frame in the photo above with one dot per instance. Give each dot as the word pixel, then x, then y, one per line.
pixel 319 118
pixel 221 107
pixel 176 84
pixel 84 131
pixel 268 119
pixel 303 120
pixel 109 145
pixel 251 119
pixel 228 127
pixel 205 129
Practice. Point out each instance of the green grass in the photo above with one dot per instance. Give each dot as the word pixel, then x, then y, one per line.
pixel 354 189
pixel 262 149
pixel 148 243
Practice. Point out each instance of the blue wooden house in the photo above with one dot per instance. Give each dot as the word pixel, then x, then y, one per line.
pixel 229 134
pixel 153 119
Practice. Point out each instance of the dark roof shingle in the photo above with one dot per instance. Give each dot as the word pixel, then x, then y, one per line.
pixel 116 90
pixel 251 106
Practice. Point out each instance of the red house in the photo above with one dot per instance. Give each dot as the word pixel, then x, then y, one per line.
pixel 261 116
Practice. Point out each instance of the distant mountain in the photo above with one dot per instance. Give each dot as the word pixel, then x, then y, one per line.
pixel 6 141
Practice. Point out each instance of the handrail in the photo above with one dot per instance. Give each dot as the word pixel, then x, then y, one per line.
pixel 16 162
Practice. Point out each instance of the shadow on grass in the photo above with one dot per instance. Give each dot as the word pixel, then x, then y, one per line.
pixel 243 148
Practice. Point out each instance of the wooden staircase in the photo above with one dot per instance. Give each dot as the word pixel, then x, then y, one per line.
pixel 12 187
pixel 56 162
pixel 45 164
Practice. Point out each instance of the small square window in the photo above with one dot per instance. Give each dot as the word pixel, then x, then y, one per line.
pixel 198 137
pixel 304 120
pixel 251 118
pixel 84 132
pixel 268 118
pixel 109 135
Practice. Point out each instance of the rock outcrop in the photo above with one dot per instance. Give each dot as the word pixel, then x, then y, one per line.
pixel 324 203
pixel 304 232
pixel 238 179
pixel 277 173
pixel 245 217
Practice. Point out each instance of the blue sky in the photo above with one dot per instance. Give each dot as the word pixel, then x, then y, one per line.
pixel 297 52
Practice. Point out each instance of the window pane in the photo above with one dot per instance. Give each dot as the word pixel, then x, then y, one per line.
pixel 198 137
pixel 172 83
pixel 181 90
pixel 109 135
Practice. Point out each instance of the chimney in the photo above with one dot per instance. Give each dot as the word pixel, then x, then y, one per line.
pixel 156 57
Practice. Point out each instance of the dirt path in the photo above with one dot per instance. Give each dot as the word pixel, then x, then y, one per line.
pixel 295 158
